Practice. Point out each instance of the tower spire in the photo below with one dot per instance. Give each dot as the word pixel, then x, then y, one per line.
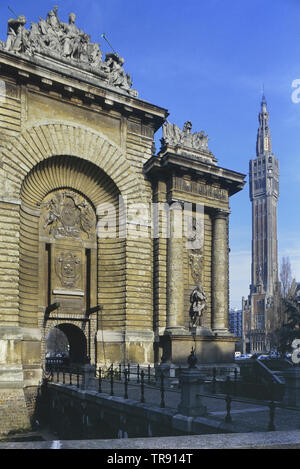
pixel 264 142
pixel 263 93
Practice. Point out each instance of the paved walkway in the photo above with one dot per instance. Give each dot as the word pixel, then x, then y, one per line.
pixel 246 414
pixel 270 440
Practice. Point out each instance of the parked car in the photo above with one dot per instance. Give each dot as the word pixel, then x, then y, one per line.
pixel 243 356
pixel 263 357
pixel 274 355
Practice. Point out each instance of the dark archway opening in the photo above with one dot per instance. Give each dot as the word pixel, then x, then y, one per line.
pixel 77 343
pixel 69 342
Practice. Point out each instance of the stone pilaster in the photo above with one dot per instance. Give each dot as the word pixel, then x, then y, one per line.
pixel 220 285
pixel 175 271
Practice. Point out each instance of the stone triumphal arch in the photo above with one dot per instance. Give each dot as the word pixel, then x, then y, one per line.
pixel 76 155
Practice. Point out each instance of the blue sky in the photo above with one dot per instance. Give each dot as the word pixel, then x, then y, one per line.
pixel 206 61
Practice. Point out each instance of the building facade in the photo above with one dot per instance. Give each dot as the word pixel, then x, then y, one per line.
pixel 259 310
pixel 79 184
pixel 236 322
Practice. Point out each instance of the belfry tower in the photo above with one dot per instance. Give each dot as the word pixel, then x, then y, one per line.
pixel 264 192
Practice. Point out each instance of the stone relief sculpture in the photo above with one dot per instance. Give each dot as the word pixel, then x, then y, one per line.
pixel 196 254
pixel 53 214
pixel 196 264
pixel 66 42
pixel 174 136
pixel 198 304
pixel 68 269
pixel 68 214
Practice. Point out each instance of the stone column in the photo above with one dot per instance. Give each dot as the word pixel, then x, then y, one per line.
pixel 175 272
pixel 220 284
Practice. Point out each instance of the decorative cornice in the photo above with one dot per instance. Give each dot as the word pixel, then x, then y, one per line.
pixel 165 165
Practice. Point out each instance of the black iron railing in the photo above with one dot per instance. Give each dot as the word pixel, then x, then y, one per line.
pixel 228 399
pixel 119 379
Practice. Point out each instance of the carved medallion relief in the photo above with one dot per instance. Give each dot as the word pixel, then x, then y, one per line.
pixel 68 269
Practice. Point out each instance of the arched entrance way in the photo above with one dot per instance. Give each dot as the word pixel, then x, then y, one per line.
pixel 77 343
pixel 69 269
pixel 67 341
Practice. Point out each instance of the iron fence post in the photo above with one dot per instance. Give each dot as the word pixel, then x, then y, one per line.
pixel 100 381
pixel 271 426
pixel 112 381
pixel 138 373
pixel 70 376
pixel 126 384
pixel 214 381
pixel 162 391
pixel 235 381
pixel 149 374
pixel 228 385
pixel 63 371
pixel 120 372
pixel 228 400
pixel 77 377
pixel 128 374
pixel 228 418
pixel 142 386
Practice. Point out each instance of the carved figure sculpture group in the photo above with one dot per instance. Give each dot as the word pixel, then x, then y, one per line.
pixel 53 38
pixel 174 136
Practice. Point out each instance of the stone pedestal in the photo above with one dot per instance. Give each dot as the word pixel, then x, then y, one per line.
pixel 168 370
pixel 88 377
pixel 292 387
pixel 191 404
pixel 209 348
pixel 201 331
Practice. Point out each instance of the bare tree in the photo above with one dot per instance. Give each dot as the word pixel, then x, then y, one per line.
pixel 285 276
